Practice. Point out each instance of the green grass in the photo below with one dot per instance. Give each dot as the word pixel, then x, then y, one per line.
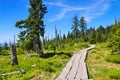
pixel 115 58
pixel 36 68
pixel 98 67
pixel 41 68
pixel 114 74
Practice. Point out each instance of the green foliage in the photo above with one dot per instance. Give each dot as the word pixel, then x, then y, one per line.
pixel 4 52
pixel 20 51
pixel 100 34
pixel 83 28
pixel 91 35
pixel 29 38
pixel 75 27
pixel 5 46
pixel 114 40
pixel 0 48
pixel 114 74
pixel 98 67
pixel 115 58
pixel 33 66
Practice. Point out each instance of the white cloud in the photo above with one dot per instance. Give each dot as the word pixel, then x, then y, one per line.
pixel 98 9
pixel 90 11
pixel 59 4
pixel 66 10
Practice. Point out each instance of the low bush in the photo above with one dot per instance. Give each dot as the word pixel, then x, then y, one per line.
pixel 20 51
pixel 113 58
pixel 4 52
pixel 114 74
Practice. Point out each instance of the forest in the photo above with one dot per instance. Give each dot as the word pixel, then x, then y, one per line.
pixel 36 57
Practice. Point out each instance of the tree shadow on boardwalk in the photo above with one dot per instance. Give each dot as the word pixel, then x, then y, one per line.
pixel 48 55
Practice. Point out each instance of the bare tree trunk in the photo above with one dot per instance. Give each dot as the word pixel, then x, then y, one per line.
pixel 14 60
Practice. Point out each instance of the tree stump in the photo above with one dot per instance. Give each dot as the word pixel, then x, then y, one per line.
pixel 14 60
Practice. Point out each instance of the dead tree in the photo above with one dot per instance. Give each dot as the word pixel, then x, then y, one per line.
pixel 14 60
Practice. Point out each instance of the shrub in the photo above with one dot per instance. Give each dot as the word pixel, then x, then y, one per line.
pixel 114 74
pixel 4 52
pixel 97 57
pixel 20 51
pixel 113 58
pixel 84 45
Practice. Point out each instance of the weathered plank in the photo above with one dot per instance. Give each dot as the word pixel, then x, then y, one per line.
pixel 76 68
pixel 73 71
pixel 66 70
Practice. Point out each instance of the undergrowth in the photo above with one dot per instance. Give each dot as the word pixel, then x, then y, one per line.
pixel 36 68
pixel 115 58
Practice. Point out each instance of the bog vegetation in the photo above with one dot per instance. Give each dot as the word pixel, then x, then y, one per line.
pixel 43 58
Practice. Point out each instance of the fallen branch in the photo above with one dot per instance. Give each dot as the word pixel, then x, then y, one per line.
pixel 15 72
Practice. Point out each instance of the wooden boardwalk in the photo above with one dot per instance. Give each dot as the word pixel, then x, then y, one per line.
pixel 76 68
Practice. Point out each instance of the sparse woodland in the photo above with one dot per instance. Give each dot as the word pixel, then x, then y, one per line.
pixel 43 59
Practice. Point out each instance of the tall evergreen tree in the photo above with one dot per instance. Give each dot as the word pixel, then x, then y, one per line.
pixel 75 29
pixel 115 38
pixel 33 27
pixel 5 45
pixel 100 34
pixel 92 36
pixel 83 27
pixel 68 35
pixel 107 32
pixel 116 22
pixel 0 47
pixel 56 37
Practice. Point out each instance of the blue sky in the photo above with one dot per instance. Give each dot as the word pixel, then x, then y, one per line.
pixel 60 13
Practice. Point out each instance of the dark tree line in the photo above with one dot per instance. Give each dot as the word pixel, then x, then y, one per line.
pixel 80 33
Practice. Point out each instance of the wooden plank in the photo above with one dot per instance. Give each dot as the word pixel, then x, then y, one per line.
pixel 66 70
pixel 79 73
pixel 74 68
pixel 82 70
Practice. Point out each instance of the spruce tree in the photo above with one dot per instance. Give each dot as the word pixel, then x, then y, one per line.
pixel 83 27
pixel 100 34
pixel 92 36
pixel 33 27
pixel 75 29
pixel 0 47
pixel 5 45
pixel 114 40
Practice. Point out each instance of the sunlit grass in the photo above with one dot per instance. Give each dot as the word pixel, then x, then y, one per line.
pixel 35 67
pixel 98 67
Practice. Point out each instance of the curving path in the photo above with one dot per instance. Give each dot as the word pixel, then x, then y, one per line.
pixel 76 68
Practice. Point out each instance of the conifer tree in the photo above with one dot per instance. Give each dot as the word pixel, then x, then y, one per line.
pixel 92 36
pixel 75 29
pixel 33 27
pixel 5 45
pixel 83 27
pixel 0 47
pixel 115 38
pixel 100 34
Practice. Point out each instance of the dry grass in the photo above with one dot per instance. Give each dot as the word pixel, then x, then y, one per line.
pixel 97 66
